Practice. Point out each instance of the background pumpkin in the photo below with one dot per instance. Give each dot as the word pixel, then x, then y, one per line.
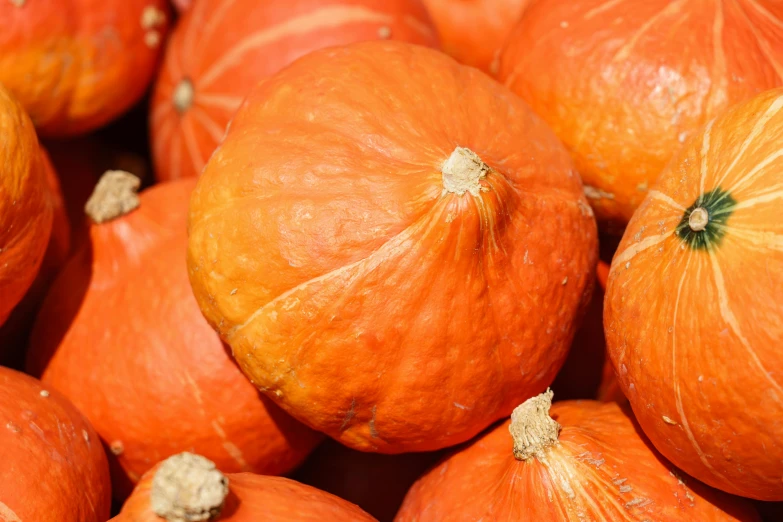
pixel 693 312
pixel 196 488
pixel 121 335
pixel 220 50
pixel 624 84
pixel 25 204
pixel 588 461
pixel 77 64
pixel 182 5
pixel 474 31
pixel 351 197
pixel 53 466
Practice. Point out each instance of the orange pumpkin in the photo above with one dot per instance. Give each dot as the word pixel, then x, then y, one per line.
pixel 694 305
pixel 122 337
pixel 474 31
pixel 25 204
pixel 220 50
pixel 625 83
pixel 182 5
pixel 77 64
pixel 53 464
pixel 189 487
pixel 394 246
pixel 583 460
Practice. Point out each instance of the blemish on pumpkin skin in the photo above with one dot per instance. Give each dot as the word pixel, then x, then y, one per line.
pixel 44 393
pixel 373 431
pixel 13 427
pixel 667 420
pixel 86 436
pixel 18 3
pixel 349 416
pixel 117 447
pixel 6 513
pixel 461 406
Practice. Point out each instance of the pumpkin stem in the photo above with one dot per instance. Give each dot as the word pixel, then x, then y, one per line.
pixel 187 488
pixel 183 95
pixel 532 429
pixel 463 171
pixel 698 219
pixel 114 196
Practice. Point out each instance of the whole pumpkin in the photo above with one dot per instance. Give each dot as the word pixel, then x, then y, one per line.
pixel 25 204
pixel 190 487
pixel 77 64
pixel 474 31
pixel 624 84
pixel 220 50
pixel 581 460
pixel 394 246
pixel 694 304
pixel 53 464
pixel 120 335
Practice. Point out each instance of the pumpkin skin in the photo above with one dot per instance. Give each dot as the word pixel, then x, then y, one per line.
pixel 474 31
pixel 182 5
pixel 599 468
pixel 678 295
pixel 54 467
pixel 624 84
pixel 220 50
pixel 77 64
pixel 25 204
pixel 177 387
pixel 324 222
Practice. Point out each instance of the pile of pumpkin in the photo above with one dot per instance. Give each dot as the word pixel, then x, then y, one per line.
pixel 358 300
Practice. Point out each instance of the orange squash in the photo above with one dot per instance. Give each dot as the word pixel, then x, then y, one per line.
pixel 220 50
pixel 583 460
pixel 77 64
pixel 189 487
pixel 474 31
pixel 25 204
pixel 53 464
pixel 182 5
pixel 624 84
pixel 694 304
pixel 394 246
pixel 122 337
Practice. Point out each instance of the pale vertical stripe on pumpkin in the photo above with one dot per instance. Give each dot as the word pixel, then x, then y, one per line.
pixel 8 514
pixel 762 43
pixel 705 152
pixel 160 112
pixel 671 9
pixel 775 192
pixel 324 18
pixel 765 13
pixel 763 164
pixel 175 154
pixel 214 22
pixel 218 101
pixel 196 160
pixel 606 6
pixel 207 123
pixel 418 26
pixel 665 198
pixel 760 240
pixel 630 252
pixel 719 80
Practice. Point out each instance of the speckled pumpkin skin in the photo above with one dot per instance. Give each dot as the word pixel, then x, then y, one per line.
pixel 624 83
pixel 601 469
pixel 694 320
pixel 358 293
pixel 53 464
pixel 77 64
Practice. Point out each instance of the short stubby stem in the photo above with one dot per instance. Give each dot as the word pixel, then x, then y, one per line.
pixel 183 95
pixel 114 196
pixel 463 171
pixel 699 219
pixel 188 487
pixel 532 429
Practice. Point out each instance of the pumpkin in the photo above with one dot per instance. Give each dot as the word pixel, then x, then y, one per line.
pixel 693 311
pixel 77 64
pixel 474 31
pixel 375 241
pixel 376 483
pixel 120 335
pixel 25 204
pixel 624 84
pixel 220 50
pixel 190 487
pixel 54 467
pixel 579 460
pixel 182 5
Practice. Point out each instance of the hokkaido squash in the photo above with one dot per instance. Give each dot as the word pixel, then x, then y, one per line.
pixel 77 64
pixel 624 84
pixel 694 304
pixel 581 460
pixel 53 464
pixel 25 204
pixel 121 336
pixel 220 50
pixel 375 239
pixel 474 31
pixel 190 487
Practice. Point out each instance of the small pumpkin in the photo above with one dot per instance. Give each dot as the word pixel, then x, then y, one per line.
pixel 694 304
pixel 189 487
pixel 77 64
pixel 25 204
pixel 581 460
pixel 53 464
pixel 375 239
pixel 474 31
pixel 120 334
pixel 624 84
pixel 220 50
